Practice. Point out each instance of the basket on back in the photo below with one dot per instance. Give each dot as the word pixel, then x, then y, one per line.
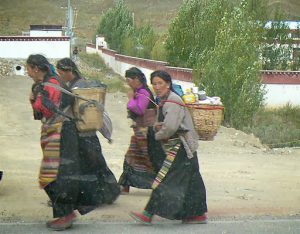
pixel 207 119
pixel 89 111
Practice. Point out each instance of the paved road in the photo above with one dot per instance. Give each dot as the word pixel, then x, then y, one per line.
pixel 261 226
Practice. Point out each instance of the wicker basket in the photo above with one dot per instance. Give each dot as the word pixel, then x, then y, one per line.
pixel 91 116
pixel 207 119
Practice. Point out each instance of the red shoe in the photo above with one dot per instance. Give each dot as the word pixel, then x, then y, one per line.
pixel 125 189
pixel 201 219
pixel 141 218
pixel 63 223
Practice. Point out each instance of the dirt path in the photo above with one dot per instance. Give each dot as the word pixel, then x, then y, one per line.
pixel 243 179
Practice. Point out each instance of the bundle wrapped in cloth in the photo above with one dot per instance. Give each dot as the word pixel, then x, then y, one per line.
pixel 211 101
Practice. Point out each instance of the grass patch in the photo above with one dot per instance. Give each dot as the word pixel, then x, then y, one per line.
pixel 93 67
pixel 278 127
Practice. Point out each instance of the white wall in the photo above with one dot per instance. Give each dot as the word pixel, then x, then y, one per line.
pixel 100 41
pixel 121 67
pixel 280 95
pixel 45 33
pixel 90 50
pixel 277 94
pixel 22 49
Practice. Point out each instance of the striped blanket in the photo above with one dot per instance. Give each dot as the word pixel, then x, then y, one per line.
pixel 50 143
pixel 171 148
pixel 137 155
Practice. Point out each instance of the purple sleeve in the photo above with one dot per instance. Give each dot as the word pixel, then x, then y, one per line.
pixel 140 102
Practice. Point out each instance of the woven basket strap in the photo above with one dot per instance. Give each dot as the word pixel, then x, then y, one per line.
pixel 178 103
pixel 206 107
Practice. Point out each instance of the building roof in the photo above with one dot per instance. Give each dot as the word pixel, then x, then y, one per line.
pixel 40 27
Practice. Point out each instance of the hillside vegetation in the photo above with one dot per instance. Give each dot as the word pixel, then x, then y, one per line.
pixel 16 15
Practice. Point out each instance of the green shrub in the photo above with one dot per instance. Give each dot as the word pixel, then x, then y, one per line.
pixel 278 127
pixel 139 41
pixel 231 69
pixel 115 24
pixel 159 50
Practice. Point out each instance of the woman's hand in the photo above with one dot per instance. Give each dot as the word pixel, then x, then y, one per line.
pixel 130 94
pixel 31 98
pixel 157 126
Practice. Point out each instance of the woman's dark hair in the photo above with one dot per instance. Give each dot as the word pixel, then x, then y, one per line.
pixel 67 64
pixel 41 62
pixel 166 77
pixel 136 73
pixel 163 75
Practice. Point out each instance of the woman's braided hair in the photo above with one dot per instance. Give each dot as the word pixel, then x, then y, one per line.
pixel 67 64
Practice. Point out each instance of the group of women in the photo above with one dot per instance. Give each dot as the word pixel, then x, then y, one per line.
pixel 161 156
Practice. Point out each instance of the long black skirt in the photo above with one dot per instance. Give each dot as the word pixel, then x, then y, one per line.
pixel 84 180
pixel 99 185
pixel 64 191
pixel 181 193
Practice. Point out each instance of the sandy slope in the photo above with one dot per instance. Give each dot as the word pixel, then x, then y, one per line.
pixel 242 177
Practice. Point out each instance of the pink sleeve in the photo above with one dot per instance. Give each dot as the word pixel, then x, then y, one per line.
pixel 140 102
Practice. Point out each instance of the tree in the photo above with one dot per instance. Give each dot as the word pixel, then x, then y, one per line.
pixel 123 36
pixel 159 50
pixel 231 69
pixel 139 41
pixel 258 9
pixel 115 24
pixel 146 39
pixel 129 43
pixel 277 49
pixel 193 31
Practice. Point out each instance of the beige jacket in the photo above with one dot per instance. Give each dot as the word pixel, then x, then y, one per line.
pixel 177 120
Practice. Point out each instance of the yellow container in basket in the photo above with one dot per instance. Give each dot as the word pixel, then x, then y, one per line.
pixel 189 97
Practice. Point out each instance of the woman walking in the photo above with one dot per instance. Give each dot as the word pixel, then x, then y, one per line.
pixel 178 191
pixel 59 172
pixel 138 169
pixel 101 185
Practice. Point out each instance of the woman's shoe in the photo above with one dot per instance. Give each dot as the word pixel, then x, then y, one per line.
pixel 141 218
pixel 63 223
pixel 201 219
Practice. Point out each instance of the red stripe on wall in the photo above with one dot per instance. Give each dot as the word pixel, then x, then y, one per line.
pixel 281 77
pixel 186 74
pixel 91 45
pixel 28 38
pixel 109 52
pixel 140 62
pixel 182 74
